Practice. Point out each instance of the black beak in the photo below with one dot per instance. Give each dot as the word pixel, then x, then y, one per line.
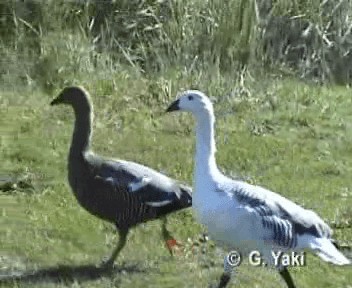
pixel 174 106
pixel 56 101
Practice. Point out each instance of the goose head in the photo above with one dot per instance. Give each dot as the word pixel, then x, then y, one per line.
pixel 193 101
pixel 77 97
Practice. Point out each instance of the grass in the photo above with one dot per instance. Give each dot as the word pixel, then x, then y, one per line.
pixel 291 137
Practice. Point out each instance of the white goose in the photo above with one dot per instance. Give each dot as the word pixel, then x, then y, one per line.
pixel 245 217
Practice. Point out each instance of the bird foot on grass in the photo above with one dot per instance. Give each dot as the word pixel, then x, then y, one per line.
pixel 224 281
pixel 174 247
pixel 107 264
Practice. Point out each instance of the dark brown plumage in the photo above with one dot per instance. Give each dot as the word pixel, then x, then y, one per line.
pixel 121 192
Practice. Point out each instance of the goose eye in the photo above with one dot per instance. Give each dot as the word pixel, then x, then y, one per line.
pixel 190 97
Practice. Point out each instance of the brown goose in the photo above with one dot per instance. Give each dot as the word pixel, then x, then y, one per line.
pixel 121 192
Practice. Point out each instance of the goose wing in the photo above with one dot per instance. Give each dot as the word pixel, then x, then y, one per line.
pixel 281 219
pixel 151 187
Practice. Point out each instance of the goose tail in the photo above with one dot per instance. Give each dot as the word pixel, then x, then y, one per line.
pixel 186 195
pixel 326 249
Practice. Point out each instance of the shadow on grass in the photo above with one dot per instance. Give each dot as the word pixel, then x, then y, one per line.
pixel 65 273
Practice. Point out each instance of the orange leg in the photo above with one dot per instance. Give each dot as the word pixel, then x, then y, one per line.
pixel 171 244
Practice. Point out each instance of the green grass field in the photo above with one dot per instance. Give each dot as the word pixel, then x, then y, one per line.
pixel 289 135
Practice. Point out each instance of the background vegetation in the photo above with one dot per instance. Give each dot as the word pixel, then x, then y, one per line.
pixel 278 72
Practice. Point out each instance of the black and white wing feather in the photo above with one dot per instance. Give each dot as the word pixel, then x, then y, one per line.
pixel 282 220
pixel 151 187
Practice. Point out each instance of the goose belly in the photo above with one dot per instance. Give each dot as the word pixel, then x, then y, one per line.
pixel 226 221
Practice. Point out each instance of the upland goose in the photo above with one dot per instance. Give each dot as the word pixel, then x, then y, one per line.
pixel 121 192
pixel 246 217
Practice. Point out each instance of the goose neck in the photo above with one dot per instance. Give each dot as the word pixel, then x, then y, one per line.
pixel 82 132
pixel 205 145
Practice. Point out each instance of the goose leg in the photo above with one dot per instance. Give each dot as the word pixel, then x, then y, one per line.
pixel 226 275
pixel 169 240
pixel 287 277
pixel 224 280
pixel 122 241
